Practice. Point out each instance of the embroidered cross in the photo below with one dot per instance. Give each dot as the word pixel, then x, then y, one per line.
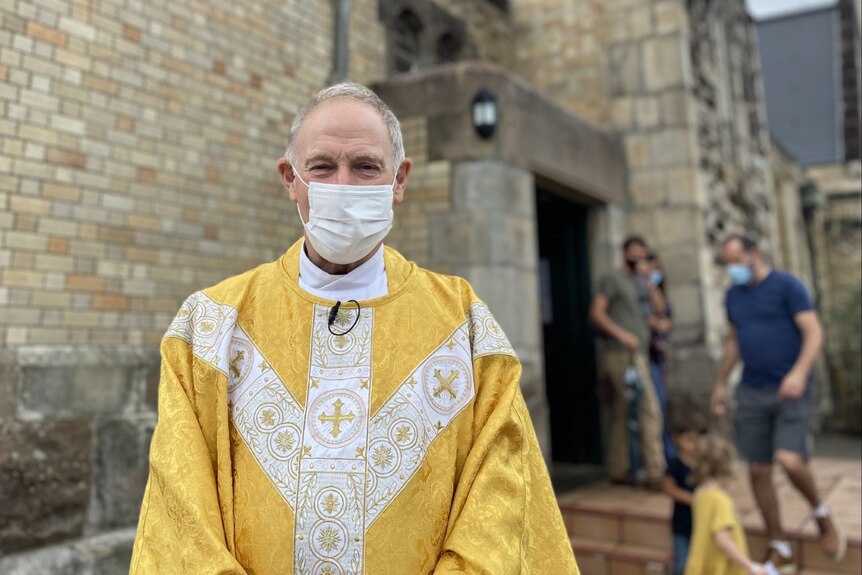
pixel 234 370
pixel 445 383
pixel 336 418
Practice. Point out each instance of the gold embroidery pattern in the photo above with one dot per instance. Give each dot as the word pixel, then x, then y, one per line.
pixel 330 503
pixel 486 335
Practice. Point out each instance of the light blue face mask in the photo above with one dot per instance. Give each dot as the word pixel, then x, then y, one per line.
pixel 655 277
pixel 740 274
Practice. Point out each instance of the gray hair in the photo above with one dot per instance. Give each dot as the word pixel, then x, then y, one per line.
pixel 356 92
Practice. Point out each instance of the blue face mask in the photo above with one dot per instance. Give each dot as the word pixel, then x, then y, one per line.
pixel 655 277
pixel 740 274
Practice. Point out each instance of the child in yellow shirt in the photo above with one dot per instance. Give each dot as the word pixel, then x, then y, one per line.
pixel 718 544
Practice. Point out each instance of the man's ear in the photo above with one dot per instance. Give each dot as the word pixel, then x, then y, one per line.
pixel 401 180
pixel 288 178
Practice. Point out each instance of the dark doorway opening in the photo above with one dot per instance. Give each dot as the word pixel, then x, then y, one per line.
pixel 569 341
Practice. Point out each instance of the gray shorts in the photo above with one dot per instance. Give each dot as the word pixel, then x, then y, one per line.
pixel 764 425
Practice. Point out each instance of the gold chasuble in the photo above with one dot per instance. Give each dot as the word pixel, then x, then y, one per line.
pixel 402 447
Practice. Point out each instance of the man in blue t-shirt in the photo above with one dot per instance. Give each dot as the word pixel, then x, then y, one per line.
pixel 774 329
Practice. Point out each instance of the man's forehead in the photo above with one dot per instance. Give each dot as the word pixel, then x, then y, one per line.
pixel 344 123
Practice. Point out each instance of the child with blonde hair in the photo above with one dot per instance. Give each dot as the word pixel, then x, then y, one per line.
pixel 718 544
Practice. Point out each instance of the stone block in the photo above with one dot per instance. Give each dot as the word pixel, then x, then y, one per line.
pixel 637 151
pixel 458 238
pixel 647 113
pixel 688 310
pixel 672 147
pixel 102 554
pixel 681 263
pixel 120 474
pixel 676 226
pixel 626 70
pixel 67 381
pixel 8 384
pixel 682 187
pixel 44 481
pixel 640 22
pixel 670 17
pixel 75 390
pixel 664 62
pixel 622 114
pixel 647 187
pixel 491 186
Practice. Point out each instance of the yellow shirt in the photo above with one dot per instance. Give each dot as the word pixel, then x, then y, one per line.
pixel 401 446
pixel 712 511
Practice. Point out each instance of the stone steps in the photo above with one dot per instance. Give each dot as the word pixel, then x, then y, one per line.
pixel 624 531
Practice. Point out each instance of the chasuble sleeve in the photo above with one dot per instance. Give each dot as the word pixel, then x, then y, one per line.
pixel 181 526
pixel 505 519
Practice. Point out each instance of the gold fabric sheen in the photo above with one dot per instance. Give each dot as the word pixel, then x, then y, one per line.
pixel 402 447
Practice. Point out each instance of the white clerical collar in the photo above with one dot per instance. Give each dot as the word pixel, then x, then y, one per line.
pixel 366 282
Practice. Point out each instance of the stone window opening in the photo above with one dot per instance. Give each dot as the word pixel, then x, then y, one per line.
pixel 420 34
pixel 448 48
pixel 406 42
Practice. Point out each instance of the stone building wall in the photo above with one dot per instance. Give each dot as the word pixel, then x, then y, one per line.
pixel 839 253
pixel 139 144
pixel 560 49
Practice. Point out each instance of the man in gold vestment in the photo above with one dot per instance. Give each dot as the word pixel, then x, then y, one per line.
pixel 341 410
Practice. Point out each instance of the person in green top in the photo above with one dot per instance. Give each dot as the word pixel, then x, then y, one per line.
pixel 619 311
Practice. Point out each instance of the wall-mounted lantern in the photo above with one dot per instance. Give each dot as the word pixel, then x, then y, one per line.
pixel 484 113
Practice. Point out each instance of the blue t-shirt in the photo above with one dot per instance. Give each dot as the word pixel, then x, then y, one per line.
pixel 682 476
pixel 769 340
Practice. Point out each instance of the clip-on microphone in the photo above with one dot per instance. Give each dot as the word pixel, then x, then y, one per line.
pixel 333 313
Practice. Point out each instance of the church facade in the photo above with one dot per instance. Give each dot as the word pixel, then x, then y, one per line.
pixel 139 146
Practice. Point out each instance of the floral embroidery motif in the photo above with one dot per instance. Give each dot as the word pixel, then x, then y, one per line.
pixel 285 441
pixel 329 539
pixel 330 503
pixel 267 417
pixel 403 433
pixel 383 456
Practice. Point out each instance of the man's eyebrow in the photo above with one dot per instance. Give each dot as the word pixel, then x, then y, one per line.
pixel 318 157
pixel 366 157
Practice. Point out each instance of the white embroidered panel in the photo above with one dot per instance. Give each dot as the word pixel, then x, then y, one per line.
pixel 330 506
pixel 404 428
pixel 486 334
pixel 206 326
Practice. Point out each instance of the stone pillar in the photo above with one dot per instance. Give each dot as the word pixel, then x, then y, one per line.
pixel 490 238
pixel 75 427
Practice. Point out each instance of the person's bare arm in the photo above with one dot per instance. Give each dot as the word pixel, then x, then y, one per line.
pixel 729 359
pixel 794 383
pixel 724 542
pixel 657 301
pixel 674 491
pixel 600 318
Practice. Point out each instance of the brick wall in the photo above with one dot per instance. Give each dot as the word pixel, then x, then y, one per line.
pixel 139 143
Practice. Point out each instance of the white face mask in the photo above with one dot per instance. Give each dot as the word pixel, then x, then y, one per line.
pixel 346 222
